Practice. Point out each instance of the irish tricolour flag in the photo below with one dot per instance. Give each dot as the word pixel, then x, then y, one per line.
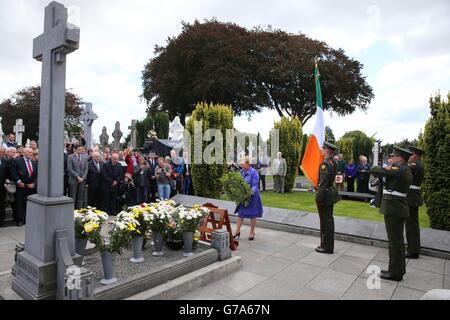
pixel 313 153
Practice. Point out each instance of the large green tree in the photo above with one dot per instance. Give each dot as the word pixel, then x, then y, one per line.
pixel 290 144
pixel 360 143
pixel 206 177
pixel 436 186
pixel 251 70
pixel 24 104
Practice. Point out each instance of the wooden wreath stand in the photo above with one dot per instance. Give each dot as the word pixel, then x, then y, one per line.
pixel 217 219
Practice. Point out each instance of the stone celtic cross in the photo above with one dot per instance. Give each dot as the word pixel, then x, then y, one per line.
pixel 19 129
pixel 51 47
pixel 87 117
pixel 133 136
pixel 117 135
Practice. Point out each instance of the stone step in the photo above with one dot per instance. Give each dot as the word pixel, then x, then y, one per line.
pixel 191 281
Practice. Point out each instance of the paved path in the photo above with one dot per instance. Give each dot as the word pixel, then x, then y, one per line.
pixel 280 265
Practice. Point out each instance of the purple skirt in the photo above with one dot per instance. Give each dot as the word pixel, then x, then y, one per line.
pixel 253 210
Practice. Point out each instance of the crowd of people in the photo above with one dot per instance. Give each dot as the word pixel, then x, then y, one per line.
pixel 106 179
pixel 349 172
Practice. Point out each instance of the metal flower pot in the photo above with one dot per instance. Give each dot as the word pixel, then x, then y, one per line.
pixel 188 239
pixel 137 244
pixel 107 268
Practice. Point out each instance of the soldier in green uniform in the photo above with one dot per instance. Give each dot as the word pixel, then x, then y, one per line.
pixel 395 208
pixel 415 200
pixel 326 197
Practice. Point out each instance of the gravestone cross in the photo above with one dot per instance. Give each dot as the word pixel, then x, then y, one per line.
pixel 133 137
pixel 104 138
pixel 117 135
pixel 87 117
pixel 19 129
pixel 39 268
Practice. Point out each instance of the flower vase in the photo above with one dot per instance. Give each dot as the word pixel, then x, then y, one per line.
pixel 157 243
pixel 137 244
pixel 80 247
pixel 188 239
pixel 107 268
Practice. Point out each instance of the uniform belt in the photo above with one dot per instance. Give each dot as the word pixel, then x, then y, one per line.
pixel 395 193
pixel 415 187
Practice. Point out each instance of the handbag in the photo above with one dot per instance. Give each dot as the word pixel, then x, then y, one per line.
pixel 10 187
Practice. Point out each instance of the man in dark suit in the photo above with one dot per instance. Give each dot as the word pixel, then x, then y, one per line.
pixel 24 174
pixel 94 180
pixel 2 186
pixel 78 170
pixel 153 163
pixel 112 176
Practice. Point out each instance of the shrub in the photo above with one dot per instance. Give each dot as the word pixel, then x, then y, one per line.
pixel 436 186
pixel 290 133
pixel 206 177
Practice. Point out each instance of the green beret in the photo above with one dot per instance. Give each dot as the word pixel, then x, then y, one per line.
pixel 416 150
pixel 405 154
pixel 329 145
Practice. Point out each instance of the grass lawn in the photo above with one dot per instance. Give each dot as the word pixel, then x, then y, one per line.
pixel 304 201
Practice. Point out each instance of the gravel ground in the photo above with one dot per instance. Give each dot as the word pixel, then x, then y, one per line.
pixel 123 268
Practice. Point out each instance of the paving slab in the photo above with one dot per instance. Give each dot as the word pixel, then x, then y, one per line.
pixel 268 266
pixel 271 289
pixel 350 264
pixel 311 294
pixel 238 283
pixel 319 259
pixel 422 280
pixel 403 293
pixel 360 290
pixel 265 246
pixel 298 274
pixel 6 260
pixel 293 252
pixel 428 264
pixel 363 251
pixel 447 267
pixel 332 282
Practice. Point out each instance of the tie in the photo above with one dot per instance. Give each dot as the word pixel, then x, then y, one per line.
pixel 98 166
pixel 79 161
pixel 30 167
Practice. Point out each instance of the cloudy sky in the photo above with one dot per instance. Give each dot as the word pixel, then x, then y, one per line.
pixel 404 46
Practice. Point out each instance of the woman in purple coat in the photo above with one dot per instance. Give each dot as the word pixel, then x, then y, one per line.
pixel 254 209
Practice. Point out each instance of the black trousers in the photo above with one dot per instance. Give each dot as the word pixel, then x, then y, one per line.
pixel 363 185
pixel 413 230
pixel 350 184
pixel 21 203
pixel 153 189
pixel 326 226
pixel 94 197
pixel 262 180
pixel 109 201
pixel 394 229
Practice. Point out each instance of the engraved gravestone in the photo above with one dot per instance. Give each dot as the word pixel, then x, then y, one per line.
pixel 117 135
pixel 133 136
pixel 104 138
pixel 88 117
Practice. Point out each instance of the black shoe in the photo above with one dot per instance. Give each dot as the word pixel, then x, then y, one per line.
pixel 20 223
pixel 411 255
pixel 389 276
pixel 237 236
pixel 251 238
pixel 322 250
